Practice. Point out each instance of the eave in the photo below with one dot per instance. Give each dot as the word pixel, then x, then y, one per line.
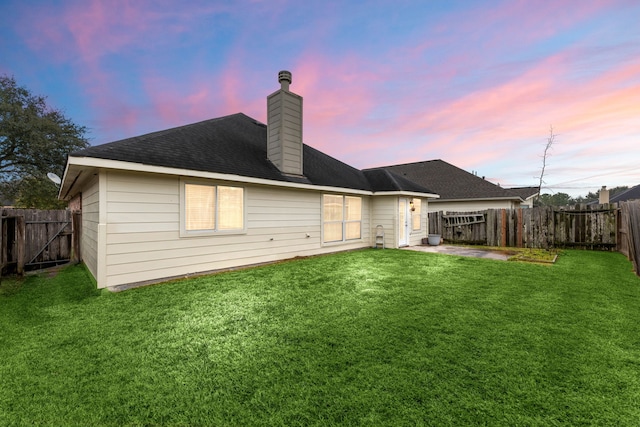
pixel 81 168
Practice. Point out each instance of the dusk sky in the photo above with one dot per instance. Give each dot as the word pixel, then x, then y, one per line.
pixel 474 83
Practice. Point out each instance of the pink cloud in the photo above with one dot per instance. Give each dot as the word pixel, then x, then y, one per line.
pixel 510 120
pixel 91 30
pixel 338 95
pixel 442 92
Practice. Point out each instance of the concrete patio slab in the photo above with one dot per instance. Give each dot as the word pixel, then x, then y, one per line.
pixel 460 251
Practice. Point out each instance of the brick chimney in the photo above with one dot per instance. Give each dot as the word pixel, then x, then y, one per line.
pixel 284 127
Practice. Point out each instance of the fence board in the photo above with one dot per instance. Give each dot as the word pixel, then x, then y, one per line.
pixel 540 227
pixel 622 238
pixel 630 218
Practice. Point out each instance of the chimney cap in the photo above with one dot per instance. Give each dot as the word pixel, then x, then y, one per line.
pixel 284 75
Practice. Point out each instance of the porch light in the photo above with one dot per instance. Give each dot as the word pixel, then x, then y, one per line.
pixel 411 205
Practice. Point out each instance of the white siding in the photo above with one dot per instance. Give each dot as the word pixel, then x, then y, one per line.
pixel 143 240
pixel 528 203
pixel 90 220
pixel 384 212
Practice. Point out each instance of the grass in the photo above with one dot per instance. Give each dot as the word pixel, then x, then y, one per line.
pixel 361 338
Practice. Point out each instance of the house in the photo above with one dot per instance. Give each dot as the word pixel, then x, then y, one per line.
pixel 230 192
pixel 604 196
pixel 632 193
pixel 527 194
pixel 459 190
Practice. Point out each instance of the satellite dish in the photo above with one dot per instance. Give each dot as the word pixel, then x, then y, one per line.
pixel 53 177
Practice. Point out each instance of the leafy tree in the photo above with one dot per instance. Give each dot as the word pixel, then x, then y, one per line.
pixel 37 192
pixel 563 199
pixel 34 139
pixel 557 199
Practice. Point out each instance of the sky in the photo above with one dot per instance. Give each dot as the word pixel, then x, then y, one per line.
pixel 481 84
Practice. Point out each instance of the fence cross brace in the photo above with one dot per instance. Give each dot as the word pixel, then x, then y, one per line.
pixel 50 240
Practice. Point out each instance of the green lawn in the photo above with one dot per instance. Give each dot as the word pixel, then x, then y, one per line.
pixel 373 337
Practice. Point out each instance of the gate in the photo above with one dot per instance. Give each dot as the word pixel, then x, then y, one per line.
pixel 34 239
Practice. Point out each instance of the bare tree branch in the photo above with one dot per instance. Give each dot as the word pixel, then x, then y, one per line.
pixel 545 155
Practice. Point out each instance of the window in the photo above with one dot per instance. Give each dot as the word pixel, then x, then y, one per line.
pixel 416 215
pixel 353 217
pixel 342 218
pixel 211 208
pixel 230 208
pixel 200 207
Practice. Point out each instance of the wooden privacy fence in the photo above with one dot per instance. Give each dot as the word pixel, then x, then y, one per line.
pixel 33 239
pixel 629 236
pixel 545 227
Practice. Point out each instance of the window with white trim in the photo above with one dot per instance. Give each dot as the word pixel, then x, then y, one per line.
pixel 212 208
pixel 342 218
pixel 416 215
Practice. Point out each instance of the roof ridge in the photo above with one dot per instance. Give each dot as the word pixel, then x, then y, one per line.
pixel 406 164
pixel 623 193
pixel 157 133
pixel 393 176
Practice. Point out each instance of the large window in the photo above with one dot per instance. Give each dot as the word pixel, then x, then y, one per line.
pixel 342 218
pixel 211 208
pixel 416 214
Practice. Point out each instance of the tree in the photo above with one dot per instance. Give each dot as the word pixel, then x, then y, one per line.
pixel 545 155
pixel 557 199
pixel 34 139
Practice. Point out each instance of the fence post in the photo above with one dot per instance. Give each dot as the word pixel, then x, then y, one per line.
pixel 633 227
pixel 3 255
pixel 503 228
pixel 20 243
pixel 519 228
pixel 76 230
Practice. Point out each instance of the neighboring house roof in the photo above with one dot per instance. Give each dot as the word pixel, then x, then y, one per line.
pixel 450 182
pixel 631 194
pixel 236 145
pixel 524 192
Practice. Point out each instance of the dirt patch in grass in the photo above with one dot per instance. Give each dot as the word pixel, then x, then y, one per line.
pixel 535 255
pixel 544 256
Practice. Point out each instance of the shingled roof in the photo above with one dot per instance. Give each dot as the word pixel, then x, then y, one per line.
pixel 236 145
pixel 631 194
pixel 449 181
pixel 524 192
